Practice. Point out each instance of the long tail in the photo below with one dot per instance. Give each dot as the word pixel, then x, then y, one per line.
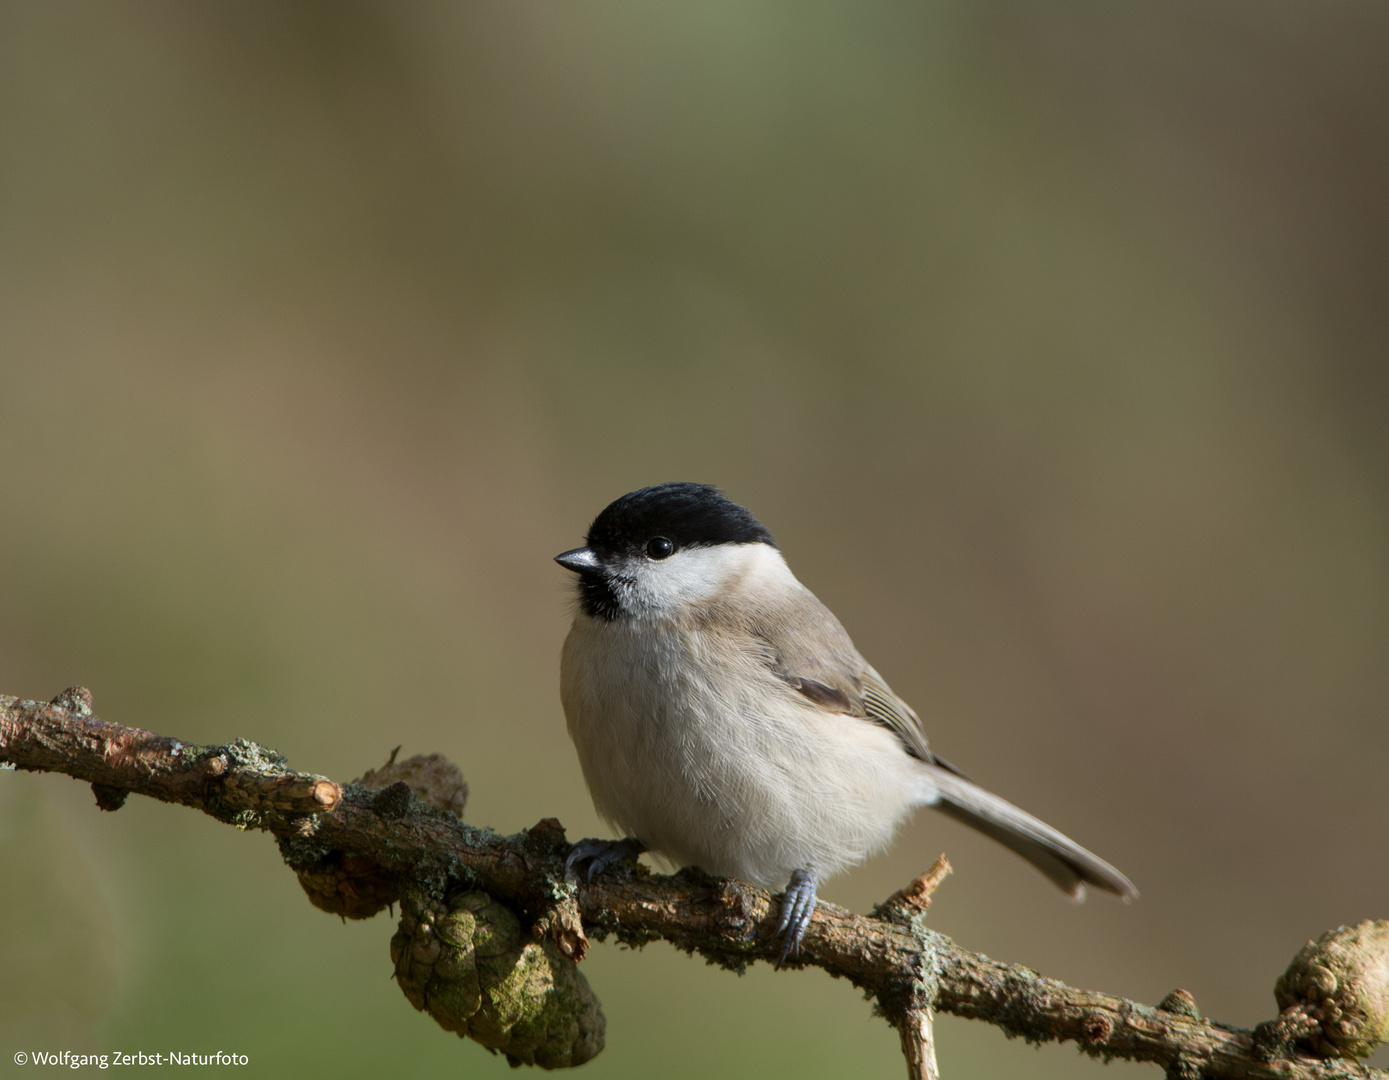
pixel 1053 853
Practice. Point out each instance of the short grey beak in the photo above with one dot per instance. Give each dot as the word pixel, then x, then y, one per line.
pixel 579 560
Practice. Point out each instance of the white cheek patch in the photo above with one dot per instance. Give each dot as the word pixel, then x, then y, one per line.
pixel 694 575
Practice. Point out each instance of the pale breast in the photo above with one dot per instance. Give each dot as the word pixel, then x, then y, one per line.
pixel 690 743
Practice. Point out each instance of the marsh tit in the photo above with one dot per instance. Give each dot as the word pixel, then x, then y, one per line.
pixel 724 719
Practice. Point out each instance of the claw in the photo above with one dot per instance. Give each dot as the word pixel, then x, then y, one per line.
pixel 600 854
pixel 797 909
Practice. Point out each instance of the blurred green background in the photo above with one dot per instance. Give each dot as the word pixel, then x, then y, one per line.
pixel 1049 340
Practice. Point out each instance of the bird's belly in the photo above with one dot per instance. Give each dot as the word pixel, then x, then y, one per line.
pixel 751 783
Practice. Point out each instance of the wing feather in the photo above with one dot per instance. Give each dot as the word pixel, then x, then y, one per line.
pixel 812 653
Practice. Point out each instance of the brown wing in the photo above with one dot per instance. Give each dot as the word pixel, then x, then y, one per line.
pixel 812 653
pixel 882 705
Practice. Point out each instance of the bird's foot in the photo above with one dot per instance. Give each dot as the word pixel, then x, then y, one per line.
pixel 600 854
pixel 797 908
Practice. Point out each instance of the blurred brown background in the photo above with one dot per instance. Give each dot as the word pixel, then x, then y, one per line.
pixel 1050 341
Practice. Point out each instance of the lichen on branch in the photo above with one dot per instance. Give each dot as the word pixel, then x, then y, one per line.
pixel 397 836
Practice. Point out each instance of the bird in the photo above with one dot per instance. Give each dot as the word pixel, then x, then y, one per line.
pixel 723 718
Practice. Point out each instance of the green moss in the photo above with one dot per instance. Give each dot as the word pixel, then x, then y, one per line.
pixel 472 966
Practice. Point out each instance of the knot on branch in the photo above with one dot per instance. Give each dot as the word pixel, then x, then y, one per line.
pixel 393 800
pixel 1334 995
pixel 1181 1002
pixel 357 887
pixel 1097 1028
pixel 109 797
pixel 468 963
pixel 76 700
pixel 351 886
pixel 431 777
pixel 1279 1038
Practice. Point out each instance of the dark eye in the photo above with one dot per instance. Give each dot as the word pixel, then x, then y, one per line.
pixel 658 547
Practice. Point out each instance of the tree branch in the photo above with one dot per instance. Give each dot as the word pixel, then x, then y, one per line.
pixel 378 844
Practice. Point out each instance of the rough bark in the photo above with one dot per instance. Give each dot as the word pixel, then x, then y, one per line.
pixel 408 845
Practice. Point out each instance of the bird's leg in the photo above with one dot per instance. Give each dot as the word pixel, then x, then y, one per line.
pixel 600 854
pixel 797 907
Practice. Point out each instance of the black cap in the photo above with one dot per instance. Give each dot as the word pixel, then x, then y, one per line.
pixel 691 515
